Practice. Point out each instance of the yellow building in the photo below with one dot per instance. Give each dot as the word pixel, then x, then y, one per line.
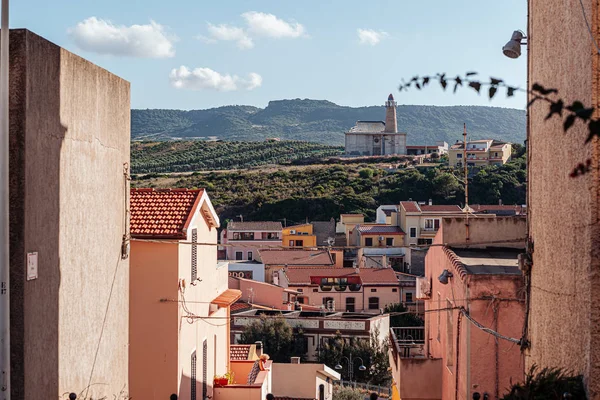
pixel 479 153
pixel 299 236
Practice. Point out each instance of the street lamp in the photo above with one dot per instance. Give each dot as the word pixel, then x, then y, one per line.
pixel 351 365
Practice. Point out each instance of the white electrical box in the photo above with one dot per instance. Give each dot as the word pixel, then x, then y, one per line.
pixel 32 266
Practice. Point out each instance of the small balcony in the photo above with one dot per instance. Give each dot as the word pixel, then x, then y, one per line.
pixel 245 386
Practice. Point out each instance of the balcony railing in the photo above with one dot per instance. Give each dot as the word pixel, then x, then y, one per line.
pixel 408 342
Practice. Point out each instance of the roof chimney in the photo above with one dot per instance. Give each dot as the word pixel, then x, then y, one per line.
pixel 295 360
pixel 500 202
pixel 259 348
pixel 430 202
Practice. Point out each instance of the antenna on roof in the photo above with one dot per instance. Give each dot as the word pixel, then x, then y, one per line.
pixel 466 181
pixel 241 217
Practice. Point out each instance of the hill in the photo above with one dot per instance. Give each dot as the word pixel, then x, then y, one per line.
pixel 324 191
pixel 325 122
pixel 198 155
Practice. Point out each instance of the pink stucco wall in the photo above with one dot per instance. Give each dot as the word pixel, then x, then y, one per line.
pixel 385 294
pixel 162 339
pixel 477 363
pixel 261 293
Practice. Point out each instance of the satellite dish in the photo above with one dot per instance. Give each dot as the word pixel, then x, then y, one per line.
pixel 330 241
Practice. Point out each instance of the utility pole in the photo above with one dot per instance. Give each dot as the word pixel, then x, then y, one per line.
pixel 4 199
pixel 466 182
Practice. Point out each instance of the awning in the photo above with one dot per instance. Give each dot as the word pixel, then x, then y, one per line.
pixel 227 298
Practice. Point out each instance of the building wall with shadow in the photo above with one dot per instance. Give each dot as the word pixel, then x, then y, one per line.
pixel 69 142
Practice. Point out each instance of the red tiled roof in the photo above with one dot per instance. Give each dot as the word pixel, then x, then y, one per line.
pixel 368 276
pixel 295 257
pixel 410 206
pixel 440 208
pixel 162 213
pixel 239 306
pixel 228 297
pixel 380 230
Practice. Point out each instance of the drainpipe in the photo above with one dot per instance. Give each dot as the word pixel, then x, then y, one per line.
pixel 4 211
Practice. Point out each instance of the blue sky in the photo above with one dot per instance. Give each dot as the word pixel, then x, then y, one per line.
pixel 299 49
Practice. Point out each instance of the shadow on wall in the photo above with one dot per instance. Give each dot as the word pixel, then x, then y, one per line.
pixel 36 140
pixel 185 387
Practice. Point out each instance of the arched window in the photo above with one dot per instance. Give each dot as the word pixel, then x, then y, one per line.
pixel 321 392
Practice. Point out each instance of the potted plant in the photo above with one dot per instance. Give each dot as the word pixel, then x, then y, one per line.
pixel 223 380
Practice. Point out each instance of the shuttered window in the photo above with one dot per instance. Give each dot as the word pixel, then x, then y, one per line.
pixel 204 369
pixel 193 378
pixel 194 255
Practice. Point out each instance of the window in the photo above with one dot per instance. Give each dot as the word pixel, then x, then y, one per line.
pixel 321 392
pixel 291 243
pixel 300 290
pixel 409 298
pixel 368 242
pixel 495 154
pixel 194 255
pixel 424 241
pixel 432 224
pixel 350 302
pixel 300 243
pixel 459 155
pixel 389 241
pixel 193 377
pixel 315 290
pixel 239 255
pixel 373 303
pixel 449 334
pixel 329 303
pixel 300 299
pixel 204 369
pixel 250 258
pixel 413 232
pixel 244 236
pixel 373 290
pixel 394 290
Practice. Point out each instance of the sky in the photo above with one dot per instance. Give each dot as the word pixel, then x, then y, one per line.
pixel 206 53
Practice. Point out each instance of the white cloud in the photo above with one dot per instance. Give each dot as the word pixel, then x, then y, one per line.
pixel 103 37
pixel 230 33
pixel 370 37
pixel 262 24
pixel 206 78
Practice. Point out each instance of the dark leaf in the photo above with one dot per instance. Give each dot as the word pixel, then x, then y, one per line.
pixel 471 73
pixel 495 81
pixel 536 87
pixel 475 85
pixel 458 83
pixel 418 86
pixel 425 81
pixel 492 91
pixel 415 78
pixel 443 83
pixel 569 122
pixel 594 128
pixel 576 106
pixel 555 108
pixel 510 91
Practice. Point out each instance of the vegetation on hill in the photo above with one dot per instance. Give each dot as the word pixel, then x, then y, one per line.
pixel 184 156
pixel 326 191
pixel 325 122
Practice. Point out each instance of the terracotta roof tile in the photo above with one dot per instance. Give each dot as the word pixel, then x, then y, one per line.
pixel 368 276
pixel 440 208
pixel 239 306
pixel 410 206
pixel 295 257
pixel 239 352
pixel 162 213
pixel 380 230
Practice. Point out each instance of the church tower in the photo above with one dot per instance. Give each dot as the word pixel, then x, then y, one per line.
pixel 391 123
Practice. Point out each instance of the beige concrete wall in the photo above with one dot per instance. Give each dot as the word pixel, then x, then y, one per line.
pixel 69 141
pixel 296 380
pixel 564 211
pixel 484 229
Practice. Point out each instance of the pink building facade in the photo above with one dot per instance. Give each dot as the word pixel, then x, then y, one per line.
pixel 244 239
pixel 179 296
pixel 456 359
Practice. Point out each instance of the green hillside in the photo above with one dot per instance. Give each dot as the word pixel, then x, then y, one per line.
pixel 197 155
pixel 325 122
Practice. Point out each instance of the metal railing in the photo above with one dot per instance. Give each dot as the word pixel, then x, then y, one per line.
pixel 383 391
pixel 410 335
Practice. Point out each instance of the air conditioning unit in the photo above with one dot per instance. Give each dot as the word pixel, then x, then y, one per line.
pixel 423 288
pixel 293 232
pixel 381 238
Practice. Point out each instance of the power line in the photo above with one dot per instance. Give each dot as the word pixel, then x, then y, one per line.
pixel 488 330
pixel 588 27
